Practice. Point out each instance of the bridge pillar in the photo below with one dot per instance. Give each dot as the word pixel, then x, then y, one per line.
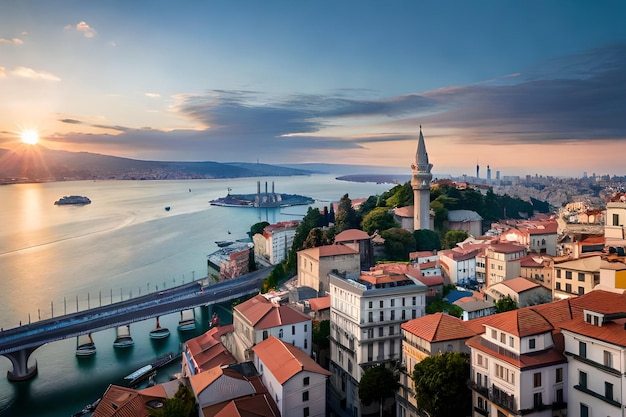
pixel 19 359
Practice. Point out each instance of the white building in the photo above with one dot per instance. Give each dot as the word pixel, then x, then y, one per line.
pixel 458 264
pixel 275 241
pixel 293 379
pixel 615 225
pixel 366 313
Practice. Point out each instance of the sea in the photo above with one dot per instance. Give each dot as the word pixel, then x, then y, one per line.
pixel 61 259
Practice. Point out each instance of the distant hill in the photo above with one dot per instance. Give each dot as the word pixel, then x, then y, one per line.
pixel 29 163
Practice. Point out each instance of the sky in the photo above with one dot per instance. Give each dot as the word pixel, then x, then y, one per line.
pixel 526 87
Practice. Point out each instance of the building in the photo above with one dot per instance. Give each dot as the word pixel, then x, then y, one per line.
pixel 258 318
pixel 615 225
pixel 502 261
pixel 420 182
pixel 292 378
pixel 517 367
pixel 315 264
pixel 458 264
pixel 538 268
pixel 423 337
pixel 275 241
pixel 577 277
pixel 466 220
pixel 230 262
pixel 359 241
pixel 206 351
pixel 538 236
pixel 366 312
pixel 523 291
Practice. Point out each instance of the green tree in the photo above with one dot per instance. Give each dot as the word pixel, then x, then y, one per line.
pixel 505 303
pixel 257 228
pixel 321 334
pixel 274 278
pixel 452 237
pixel 441 384
pixel 314 239
pixel 378 219
pixel 377 384
pixel 426 240
pixel 400 196
pixel 398 243
pixel 311 220
pixel 346 217
pixel 441 305
pixel 182 404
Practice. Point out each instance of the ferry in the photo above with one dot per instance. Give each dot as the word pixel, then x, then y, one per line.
pixel 85 345
pixel 187 320
pixel 150 369
pixel 123 339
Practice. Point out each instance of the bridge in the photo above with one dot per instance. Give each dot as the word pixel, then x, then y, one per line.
pixel 19 343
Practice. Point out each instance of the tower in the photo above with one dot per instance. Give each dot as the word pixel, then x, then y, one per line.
pixel 420 182
pixel 477 170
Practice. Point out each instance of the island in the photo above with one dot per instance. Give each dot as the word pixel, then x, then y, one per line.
pixel 262 199
pixel 73 199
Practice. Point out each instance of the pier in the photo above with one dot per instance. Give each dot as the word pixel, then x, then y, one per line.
pixel 19 343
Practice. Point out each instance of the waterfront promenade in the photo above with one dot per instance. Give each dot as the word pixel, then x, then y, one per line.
pixel 18 343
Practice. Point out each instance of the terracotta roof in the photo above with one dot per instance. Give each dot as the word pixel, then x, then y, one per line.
pixel 521 322
pixel 254 406
pixel 613 332
pixel 122 402
pixel 284 360
pixel 199 382
pixel 384 278
pixel 350 235
pixel 438 327
pixel 591 264
pixel 430 280
pixel 281 225
pixel 263 314
pixel 406 211
pixel 519 285
pixel 329 250
pixel 605 302
pixel 506 247
pixel 459 254
pixel 421 254
pixel 320 303
pixel 207 351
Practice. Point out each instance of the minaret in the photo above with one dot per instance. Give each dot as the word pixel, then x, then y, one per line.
pixel 420 182
pixel 477 170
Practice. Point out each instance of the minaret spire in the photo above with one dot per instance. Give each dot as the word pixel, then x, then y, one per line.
pixel 420 182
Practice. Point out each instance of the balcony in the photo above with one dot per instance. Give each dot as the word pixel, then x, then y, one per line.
pixel 482 389
pixel 503 399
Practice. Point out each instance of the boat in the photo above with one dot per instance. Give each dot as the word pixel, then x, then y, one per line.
pixel 73 199
pixel 223 243
pixel 150 369
pixel 159 332
pixel 187 320
pixel 167 208
pixel 89 408
pixel 85 345
pixel 123 339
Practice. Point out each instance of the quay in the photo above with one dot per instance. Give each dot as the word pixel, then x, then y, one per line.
pixel 19 343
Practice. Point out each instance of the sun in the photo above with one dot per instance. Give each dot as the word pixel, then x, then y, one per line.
pixel 30 137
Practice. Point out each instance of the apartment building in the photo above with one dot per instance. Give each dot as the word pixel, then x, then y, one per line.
pixel 275 241
pixel 577 277
pixel 502 261
pixel 315 264
pixel 366 312
pixel 615 225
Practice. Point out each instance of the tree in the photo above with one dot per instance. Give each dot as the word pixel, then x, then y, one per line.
pixel 505 303
pixel 398 243
pixel 274 278
pixel 426 240
pixel 377 384
pixel 311 220
pixel 441 384
pixel 257 228
pixel 182 404
pixel 452 237
pixel 440 305
pixel 346 217
pixel 378 219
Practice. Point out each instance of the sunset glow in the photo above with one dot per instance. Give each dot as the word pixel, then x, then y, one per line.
pixel 30 137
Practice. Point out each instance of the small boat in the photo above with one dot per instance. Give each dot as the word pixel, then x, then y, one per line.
pixel 167 208
pixel 159 332
pixel 89 408
pixel 85 345
pixel 150 369
pixel 123 339
pixel 187 320
pixel 223 243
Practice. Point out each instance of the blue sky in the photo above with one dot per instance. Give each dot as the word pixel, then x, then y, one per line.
pixel 524 86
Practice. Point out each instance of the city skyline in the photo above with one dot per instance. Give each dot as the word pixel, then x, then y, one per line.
pixel 524 87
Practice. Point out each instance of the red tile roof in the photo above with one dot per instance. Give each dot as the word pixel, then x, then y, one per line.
pixel 351 235
pixel 285 361
pixel 320 303
pixel 406 211
pixel 263 314
pixel 438 327
pixel 207 351
pixel 329 250
pixel 519 284
pixel 613 332
pixel 122 402
pixel 521 322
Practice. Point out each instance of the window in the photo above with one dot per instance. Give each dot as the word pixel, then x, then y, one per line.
pixel 414 300
pixel 391 330
pixel 581 290
pixel 381 303
pixel 380 332
pixel 615 219
pixel 370 317
pixel 305 412
pixel 370 304
pixel 306 381
pixel 370 333
pixel 581 277
pixel 502 338
pixel 370 352
pixel 511 341
pixel 306 343
pixel 494 334
pixel 306 327
pixel 608 391
pixel 393 315
pixel 582 379
pixel 568 287
pixel 382 316
pixel 537 379
pixel 531 343
pixel 265 334
pixel 558 273
pixel 559 395
pixel 608 359
pixel 537 400
pixel 393 302
pixel 558 286
pixel 280 334
pixel 293 330
pixel 559 375
pixel 305 396
pixel 479 359
pixel 584 410
pixel 403 315
pixel 582 349
pixel 403 302
pixel 414 314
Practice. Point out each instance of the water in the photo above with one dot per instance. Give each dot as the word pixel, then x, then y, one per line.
pixel 57 259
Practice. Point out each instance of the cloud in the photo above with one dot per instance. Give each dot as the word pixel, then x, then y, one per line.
pixel 24 72
pixel 153 95
pixel 3 73
pixel 13 41
pixel 82 26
